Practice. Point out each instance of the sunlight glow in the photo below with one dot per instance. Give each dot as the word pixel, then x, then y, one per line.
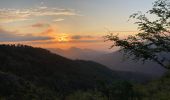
pixel 63 38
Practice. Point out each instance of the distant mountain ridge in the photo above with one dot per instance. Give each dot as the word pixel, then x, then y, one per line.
pixel 113 60
pixel 77 53
pixel 116 61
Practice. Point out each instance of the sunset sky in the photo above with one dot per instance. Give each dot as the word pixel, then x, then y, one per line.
pixel 67 23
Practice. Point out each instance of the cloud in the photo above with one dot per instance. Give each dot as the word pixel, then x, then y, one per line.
pixel 48 32
pixel 12 15
pixel 7 36
pixel 65 42
pixel 85 39
pixel 58 20
pixel 40 25
pixel 78 37
pixel 47 36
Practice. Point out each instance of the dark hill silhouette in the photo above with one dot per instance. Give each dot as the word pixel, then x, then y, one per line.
pixel 28 73
pixel 45 69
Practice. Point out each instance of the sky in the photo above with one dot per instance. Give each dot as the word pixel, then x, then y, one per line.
pixel 67 23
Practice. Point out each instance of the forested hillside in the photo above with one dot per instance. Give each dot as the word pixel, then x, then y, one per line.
pixel 28 73
pixel 33 69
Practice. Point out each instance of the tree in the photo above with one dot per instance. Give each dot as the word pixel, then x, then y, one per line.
pixel 153 40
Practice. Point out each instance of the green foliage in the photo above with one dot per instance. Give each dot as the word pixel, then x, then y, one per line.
pixel 118 90
pixel 155 90
pixel 15 88
pixel 153 38
pixel 88 95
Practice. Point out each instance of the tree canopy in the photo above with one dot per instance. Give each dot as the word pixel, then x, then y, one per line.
pixel 153 40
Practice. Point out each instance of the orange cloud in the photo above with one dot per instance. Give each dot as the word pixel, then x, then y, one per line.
pixel 40 25
pixel 14 36
pixel 50 32
pixel 71 38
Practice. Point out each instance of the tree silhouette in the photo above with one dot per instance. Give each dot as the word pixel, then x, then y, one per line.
pixel 153 40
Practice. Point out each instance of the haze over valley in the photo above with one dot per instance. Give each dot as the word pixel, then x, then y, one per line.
pixel 114 60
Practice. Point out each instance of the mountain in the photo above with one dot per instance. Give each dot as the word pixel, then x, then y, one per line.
pixel 49 71
pixel 113 61
pixel 107 60
pixel 28 73
pixel 77 53
pixel 116 61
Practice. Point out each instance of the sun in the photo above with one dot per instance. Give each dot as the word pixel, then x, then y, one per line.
pixel 63 38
